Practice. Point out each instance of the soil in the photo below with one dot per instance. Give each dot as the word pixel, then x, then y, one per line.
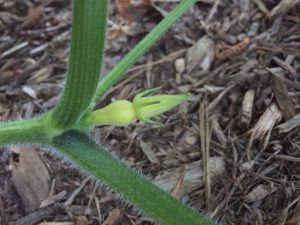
pixel 238 134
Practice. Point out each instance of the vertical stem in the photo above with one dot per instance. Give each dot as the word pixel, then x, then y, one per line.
pixel 87 47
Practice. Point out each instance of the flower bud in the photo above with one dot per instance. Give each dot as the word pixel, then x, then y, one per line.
pixel 118 113
pixel 146 107
pixel 143 107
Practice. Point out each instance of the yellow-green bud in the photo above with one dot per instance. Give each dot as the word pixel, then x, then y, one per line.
pixel 147 107
pixel 143 107
pixel 118 113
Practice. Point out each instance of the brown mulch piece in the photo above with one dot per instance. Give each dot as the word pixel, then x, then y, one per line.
pixel 241 62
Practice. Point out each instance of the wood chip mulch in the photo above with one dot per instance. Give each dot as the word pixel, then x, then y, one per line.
pixel 232 151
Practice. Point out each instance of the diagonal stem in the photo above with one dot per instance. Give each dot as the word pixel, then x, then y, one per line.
pixel 111 78
pixel 93 159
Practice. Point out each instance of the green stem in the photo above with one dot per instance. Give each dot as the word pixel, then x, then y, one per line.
pixel 139 49
pixel 87 47
pixel 92 158
pixel 23 131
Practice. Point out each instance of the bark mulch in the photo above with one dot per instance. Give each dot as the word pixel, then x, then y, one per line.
pixel 232 151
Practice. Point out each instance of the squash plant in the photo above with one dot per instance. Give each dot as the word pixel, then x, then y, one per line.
pixel 65 128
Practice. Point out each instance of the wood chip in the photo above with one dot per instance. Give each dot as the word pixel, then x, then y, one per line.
pixel 113 217
pixel 201 54
pixel 294 219
pixel 283 7
pixel 217 100
pixel 193 178
pixel 247 107
pixel 176 192
pixel 285 65
pixel 283 99
pixel 81 220
pixel 262 7
pixel 247 165
pixel 53 199
pixel 180 67
pixel 29 91
pixel 76 192
pixel 218 132
pixel 259 192
pixel 40 75
pixel 14 49
pixel 290 124
pixel 263 128
pixel 33 15
pixel 56 223
pixel 190 137
pixel 37 216
pixel 30 177
pixel 149 152
pixel 205 135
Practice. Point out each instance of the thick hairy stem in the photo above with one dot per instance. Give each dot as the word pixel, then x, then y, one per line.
pixel 92 158
pixel 23 131
pixel 87 47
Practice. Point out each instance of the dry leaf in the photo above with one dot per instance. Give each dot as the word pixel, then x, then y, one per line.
pixel 233 50
pixel 133 10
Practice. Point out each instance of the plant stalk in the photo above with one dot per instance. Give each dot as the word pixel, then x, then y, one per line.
pixel 93 159
pixel 139 49
pixel 87 47
pixel 23 132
